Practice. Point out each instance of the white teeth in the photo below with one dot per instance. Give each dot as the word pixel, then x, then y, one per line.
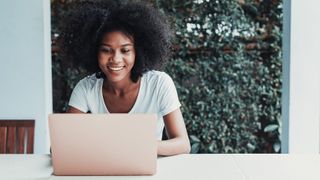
pixel 116 68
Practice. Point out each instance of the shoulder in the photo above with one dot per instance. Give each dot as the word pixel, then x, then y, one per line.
pixel 88 82
pixel 158 80
pixel 156 76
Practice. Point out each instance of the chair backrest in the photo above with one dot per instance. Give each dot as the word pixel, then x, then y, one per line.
pixel 16 136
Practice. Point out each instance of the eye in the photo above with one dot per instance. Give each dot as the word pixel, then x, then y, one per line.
pixel 105 49
pixel 125 51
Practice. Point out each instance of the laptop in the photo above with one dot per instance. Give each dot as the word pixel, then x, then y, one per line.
pixel 103 144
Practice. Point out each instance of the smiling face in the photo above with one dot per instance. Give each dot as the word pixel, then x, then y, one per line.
pixel 116 56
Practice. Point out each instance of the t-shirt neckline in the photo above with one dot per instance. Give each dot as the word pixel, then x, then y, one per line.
pixel 135 103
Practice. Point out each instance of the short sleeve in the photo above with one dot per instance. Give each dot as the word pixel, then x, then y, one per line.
pixel 78 97
pixel 168 96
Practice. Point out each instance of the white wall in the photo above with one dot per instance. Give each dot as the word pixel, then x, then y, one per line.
pixel 304 133
pixel 25 64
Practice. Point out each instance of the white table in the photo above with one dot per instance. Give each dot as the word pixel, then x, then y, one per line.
pixel 184 167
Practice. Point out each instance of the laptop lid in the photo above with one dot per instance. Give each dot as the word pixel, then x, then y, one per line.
pixel 103 144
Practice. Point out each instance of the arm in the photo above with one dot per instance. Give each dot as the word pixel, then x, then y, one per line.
pixel 73 110
pixel 178 142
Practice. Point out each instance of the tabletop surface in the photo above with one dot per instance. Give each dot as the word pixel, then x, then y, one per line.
pixel 187 166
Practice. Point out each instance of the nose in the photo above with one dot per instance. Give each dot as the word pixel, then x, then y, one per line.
pixel 116 57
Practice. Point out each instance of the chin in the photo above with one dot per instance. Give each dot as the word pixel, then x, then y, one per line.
pixel 116 78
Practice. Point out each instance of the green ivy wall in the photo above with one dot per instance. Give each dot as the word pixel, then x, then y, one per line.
pixel 227 67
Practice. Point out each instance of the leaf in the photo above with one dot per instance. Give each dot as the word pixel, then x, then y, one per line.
pixel 276 147
pixel 271 128
pixel 195 148
pixel 251 146
pixel 194 138
pixel 212 146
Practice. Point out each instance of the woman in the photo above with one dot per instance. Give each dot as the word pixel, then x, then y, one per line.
pixel 123 45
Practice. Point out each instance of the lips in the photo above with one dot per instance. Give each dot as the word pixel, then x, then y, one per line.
pixel 115 68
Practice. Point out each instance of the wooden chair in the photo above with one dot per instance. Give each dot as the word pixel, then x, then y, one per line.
pixel 16 136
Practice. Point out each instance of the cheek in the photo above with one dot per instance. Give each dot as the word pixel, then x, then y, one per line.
pixel 102 63
pixel 132 59
pixel 102 58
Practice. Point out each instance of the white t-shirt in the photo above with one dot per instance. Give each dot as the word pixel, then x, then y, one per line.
pixel 157 94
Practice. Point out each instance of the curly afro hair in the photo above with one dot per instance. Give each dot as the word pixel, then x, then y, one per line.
pixel 87 21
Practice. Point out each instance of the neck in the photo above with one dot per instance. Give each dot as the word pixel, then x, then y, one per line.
pixel 119 88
